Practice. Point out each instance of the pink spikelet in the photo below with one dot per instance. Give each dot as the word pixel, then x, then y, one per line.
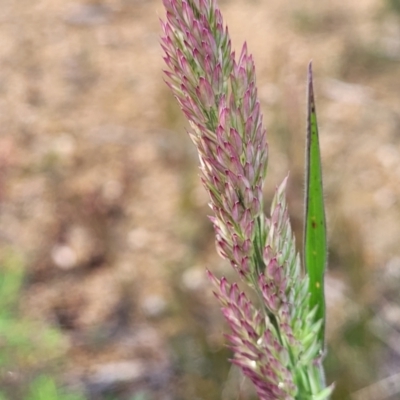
pixel 219 97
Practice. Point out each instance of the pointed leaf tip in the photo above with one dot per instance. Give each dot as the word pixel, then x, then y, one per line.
pixel 315 246
pixel 311 101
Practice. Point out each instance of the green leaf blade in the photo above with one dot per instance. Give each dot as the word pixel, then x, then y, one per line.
pixel 315 242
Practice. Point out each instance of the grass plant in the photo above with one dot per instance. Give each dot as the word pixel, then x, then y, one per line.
pixel 27 348
pixel 278 339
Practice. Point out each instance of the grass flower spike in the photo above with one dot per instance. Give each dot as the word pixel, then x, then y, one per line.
pixel 275 338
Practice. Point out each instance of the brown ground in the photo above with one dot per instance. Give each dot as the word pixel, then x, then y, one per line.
pixel 99 187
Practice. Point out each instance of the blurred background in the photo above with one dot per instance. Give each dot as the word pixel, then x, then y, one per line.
pixel 104 238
